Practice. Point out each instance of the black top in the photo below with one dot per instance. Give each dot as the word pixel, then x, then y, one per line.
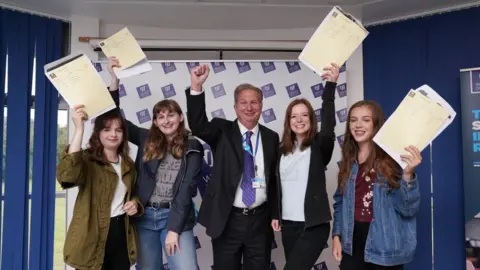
pixel 317 207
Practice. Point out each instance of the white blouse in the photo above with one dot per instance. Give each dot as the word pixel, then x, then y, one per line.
pixel 294 178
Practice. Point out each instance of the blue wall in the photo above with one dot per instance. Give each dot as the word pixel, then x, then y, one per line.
pixel 405 55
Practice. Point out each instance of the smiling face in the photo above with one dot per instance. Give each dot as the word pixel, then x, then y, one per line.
pixel 168 122
pixel 300 120
pixel 111 136
pixel 248 107
pixel 361 124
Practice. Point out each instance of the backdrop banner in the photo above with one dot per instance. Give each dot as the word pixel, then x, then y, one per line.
pixel 470 100
pixel 280 81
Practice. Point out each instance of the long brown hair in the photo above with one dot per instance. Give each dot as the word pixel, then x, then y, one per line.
pixel 95 146
pixel 157 144
pixel 288 137
pixel 377 158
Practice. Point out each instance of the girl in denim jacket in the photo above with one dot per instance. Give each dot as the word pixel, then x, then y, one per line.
pixel 376 202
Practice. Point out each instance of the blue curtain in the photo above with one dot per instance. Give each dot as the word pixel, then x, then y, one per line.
pixel 3 54
pixel 17 32
pixel 24 37
pixel 48 38
pixel 405 55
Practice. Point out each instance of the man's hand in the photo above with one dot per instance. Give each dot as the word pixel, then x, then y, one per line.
pixel 198 76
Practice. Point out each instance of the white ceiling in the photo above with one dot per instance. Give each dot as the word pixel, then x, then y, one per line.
pixel 230 14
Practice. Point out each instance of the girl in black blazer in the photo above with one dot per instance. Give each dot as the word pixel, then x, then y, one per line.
pixel 301 208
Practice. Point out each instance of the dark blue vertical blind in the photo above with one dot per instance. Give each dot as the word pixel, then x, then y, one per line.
pixel 25 37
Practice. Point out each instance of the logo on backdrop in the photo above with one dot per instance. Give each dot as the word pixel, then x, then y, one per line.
pixel 268 67
pixel 293 66
pixel 343 68
pixel 317 90
pixel 293 90
pixel 268 90
pixel 243 67
pixel 320 266
pixel 121 90
pixel 191 65
pixel 98 67
pixel 475 82
pixel 143 116
pixel 218 90
pixel 143 91
pixel 340 139
pixel 218 114
pixel 342 115
pixel 218 67
pixel 342 90
pixel 269 116
pixel 168 67
pixel 318 115
pixel 168 91
pixel 206 173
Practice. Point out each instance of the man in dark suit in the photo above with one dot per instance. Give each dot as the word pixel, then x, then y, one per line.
pixel 235 208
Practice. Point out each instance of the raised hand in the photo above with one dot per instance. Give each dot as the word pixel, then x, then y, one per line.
pixel 331 73
pixel 79 116
pixel 112 63
pixel 413 159
pixel 198 76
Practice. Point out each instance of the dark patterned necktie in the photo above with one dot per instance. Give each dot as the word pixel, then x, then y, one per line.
pixel 248 173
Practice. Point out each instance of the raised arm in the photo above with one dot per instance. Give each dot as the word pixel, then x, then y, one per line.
pixel 134 132
pixel 72 169
pixel 406 198
pixel 208 131
pixel 325 138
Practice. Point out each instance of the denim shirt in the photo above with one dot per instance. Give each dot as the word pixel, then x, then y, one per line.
pixel 392 237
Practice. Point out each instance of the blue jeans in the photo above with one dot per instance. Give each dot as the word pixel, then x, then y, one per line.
pixel 152 231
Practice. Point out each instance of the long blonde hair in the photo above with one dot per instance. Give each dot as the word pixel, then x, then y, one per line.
pixel 157 144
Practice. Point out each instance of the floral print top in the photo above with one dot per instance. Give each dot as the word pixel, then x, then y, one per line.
pixel 364 195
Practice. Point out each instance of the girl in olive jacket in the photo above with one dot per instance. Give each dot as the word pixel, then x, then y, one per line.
pixel 100 235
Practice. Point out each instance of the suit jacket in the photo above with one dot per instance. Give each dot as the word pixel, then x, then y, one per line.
pixel 225 140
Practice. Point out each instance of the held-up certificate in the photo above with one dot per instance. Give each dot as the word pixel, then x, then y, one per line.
pixel 334 41
pixel 79 83
pixel 126 49
pixel 416 121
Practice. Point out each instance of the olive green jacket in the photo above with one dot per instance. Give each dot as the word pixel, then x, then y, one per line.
pixel 87 234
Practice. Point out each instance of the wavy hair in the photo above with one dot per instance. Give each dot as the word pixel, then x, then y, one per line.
pixel 156 144
pixel 288 137
pixel 95 146
pixel 377 158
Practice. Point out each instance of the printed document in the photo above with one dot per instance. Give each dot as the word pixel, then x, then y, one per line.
pixel 79 83
pixel 334 41
pixel 126 49
pixel 417 121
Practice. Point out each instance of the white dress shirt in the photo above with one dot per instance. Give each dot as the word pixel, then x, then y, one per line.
pixel 260 193
pixel 294 170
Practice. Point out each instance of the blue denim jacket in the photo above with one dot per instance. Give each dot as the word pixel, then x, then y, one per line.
pixel 392 236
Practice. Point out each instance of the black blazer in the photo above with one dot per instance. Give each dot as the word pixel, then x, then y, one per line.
pixel 225 140
pixel 182 212
pixel 317 206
